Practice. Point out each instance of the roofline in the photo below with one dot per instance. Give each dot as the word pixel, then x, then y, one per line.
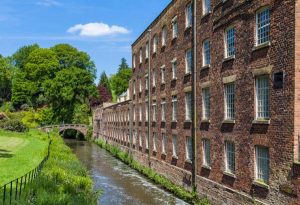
pixel 154 22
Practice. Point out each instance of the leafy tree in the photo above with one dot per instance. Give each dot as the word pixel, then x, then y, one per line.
pixel 81 114
pixel 120 81
pixel 20 57
pixel 6 73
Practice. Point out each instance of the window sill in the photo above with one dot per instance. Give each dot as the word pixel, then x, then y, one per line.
pixel 205 121
pixel 188 27
pixel 261 121
pixel 187 121
pixel 174 38
pixel 205 67
pixel 206 14
pixel 188 161
pixel 163 83
pixel 229 174
pixel 264 45
pixel 173 79
pixel 261 184
pixel 228 121
pixel 175 157
pixel 206 167
pixel 230 58
pixel 163 46
pixel 163 153
pixel 187 73
pixel 154 151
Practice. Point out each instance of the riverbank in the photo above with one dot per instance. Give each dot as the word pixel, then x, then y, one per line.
pixel 180 192
pixel 20 153
pixel 63 180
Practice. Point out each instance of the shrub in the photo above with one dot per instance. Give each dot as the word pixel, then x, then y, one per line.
pixel 3 116
pixel 13 125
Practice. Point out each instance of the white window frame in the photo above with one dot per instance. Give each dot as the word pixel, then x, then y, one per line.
pixel 229 157
pixel 134 113
pixel 146 140
pixel 140 86
pixel 133 61
pixel 146 82
pixel 262 164
pixel 140 113
pixel 164 143
pixel 146 112
pixel 206 152
pixel 154 78
pixel 229 99
pixel 147 50
pixel 206 57
pixel 140 140
pixel 267 26
pixel 164 34
pixel 174 108
pixel 206 6
pixel 141 55
pixel 174 27
pixel 188 61
pixel 188 106
pixel 163 111
pixel 174 69
pixel 134 88
pixel 189 148
pixel 175 146
pixel 189 15
pixel 163 74
pixel 154 138
pixel 206 103
pixel 154 111
pixel 229 39
pixel 262 95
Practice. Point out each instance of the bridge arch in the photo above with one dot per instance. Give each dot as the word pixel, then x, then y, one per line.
pixel 83 129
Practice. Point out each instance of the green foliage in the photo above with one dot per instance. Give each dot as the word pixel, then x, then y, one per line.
pixel 22 54
pixel 120 81
pixel 31 118
pixel 63 180
pixel 13 125
pixel 179 191
pixel 81 114
pixel 6 73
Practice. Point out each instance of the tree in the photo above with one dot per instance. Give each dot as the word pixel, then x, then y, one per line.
pixel 104 91
pixel 120 81
pixel 20 57
pixel 6 73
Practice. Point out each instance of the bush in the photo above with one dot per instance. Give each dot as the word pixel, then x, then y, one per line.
pixel 13 125
pixel 3 116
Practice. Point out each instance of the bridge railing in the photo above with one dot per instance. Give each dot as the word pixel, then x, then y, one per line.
pixel 63 125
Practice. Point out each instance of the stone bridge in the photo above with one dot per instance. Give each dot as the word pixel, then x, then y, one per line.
pixel 78 127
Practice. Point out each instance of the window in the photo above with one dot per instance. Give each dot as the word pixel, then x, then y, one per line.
pixel 164 36
pixel 155 42
pixel 146 82
pixel 154 141
pixel 229 157
pixel 146 140
pixel 262 163
pixel 134 113
pixel 175 27
pixel 174 68
pixel 205 104
pixel 174 108
pixel 154 112
pixel 189 148
pixel 206 6
pixel 262 97
pixel 206 53
pixel 140 113
pixel 229 101
pixel 154 78
pixel 134 137
pixel 141 55
pixel 163 111
pixel 206 152
pixel 188 106
pixel 133 61
pixel 230 42
pixel 146 111
pixel 140 140
pixel 147 50
pixel 174 143
pixel 140 85
pixel 164 143
pixel 188 61
pixel 134 88
pixel 188 15
pixel 162 74
pixel 262 26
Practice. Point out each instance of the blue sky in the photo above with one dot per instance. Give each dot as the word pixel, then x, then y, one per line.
pixel 105 29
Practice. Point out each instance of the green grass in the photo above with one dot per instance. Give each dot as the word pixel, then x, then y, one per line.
pixel 20 153
pixel 63 180
pixel 179 191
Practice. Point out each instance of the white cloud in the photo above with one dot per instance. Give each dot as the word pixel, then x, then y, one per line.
pixel 48 3
pixel 97 29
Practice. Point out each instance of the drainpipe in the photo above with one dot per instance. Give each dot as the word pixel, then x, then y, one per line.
pixel 194 88
pixel 149 95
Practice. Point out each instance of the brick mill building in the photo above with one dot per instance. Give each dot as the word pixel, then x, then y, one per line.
pixel 215 100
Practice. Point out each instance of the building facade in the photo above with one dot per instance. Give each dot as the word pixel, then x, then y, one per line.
pixel 214 100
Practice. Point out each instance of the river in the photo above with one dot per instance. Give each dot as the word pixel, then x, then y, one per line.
pixel 121 185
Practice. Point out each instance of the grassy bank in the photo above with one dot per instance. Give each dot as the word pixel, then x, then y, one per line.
pixel 20 153
pixel 63 180
pixel 180 192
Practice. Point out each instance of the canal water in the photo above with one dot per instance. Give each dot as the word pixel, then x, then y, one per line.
pixel 121 185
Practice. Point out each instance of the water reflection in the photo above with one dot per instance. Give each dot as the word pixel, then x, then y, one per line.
pixel 120 183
